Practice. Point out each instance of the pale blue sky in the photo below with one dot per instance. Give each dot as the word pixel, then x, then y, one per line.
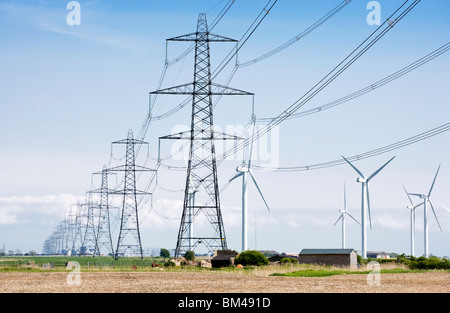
pixel 67 92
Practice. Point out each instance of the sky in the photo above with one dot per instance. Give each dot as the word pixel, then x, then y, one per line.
pixel 69 91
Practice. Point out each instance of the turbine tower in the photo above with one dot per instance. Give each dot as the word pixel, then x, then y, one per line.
pixel 243 170
pixel 365 202
pixel 201 169
pixel 342 216
pixel 427 199
pixel 412 219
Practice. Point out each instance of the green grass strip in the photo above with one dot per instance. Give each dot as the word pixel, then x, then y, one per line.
pixel 325 273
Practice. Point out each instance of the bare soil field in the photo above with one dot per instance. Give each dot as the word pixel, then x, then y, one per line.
pixel 214 282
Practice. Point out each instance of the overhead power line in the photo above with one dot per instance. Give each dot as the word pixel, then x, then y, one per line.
pixel 304 33
pixel 284 46
pixel 371 87
pixel 373 38
pixel 394 146
pixel 148 118
pixel 248 33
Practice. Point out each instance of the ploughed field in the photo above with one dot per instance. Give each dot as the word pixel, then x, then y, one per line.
pixel 255 281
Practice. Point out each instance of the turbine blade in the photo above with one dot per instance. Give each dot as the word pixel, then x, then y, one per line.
pixel 408 195
pixel 378 170
pixel 368 204
pixel 434 212
pixel 415 194
pixel 259 190
pixel 251 144
pixel 445 207
pixel 434 180
pixel 417 205
pixel 353 218
pixel 236 176
pixel 354 167
pixel 338 220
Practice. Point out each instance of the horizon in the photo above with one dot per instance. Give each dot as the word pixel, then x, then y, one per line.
pixel 68 91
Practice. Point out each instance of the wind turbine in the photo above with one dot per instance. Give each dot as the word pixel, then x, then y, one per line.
pixel 426 199
pixel 365 203
pixel 243 170
pixel 412 216
pixel 343 213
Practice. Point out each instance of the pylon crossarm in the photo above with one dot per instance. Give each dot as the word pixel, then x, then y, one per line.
pixel 189 89
pixel 210 37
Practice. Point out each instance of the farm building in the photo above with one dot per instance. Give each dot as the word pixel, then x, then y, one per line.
pixel 377 254
pixel 334 257
pixel 223 258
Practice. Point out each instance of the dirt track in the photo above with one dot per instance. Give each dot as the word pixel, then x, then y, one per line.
pixel 213 282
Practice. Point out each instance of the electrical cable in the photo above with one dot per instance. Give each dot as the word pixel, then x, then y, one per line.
pixel 385 27
pixel 248 33
pixel 371 87
pixel 304 33
pixel 394 146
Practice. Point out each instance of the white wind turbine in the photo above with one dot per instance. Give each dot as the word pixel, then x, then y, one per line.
pixel 426 199
pixel 412 219
pixel 365 203
pixel 343 213
pixel 243 170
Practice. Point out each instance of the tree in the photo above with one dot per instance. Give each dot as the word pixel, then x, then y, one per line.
pixel 164 253
pixel 189 255
pixel 251 257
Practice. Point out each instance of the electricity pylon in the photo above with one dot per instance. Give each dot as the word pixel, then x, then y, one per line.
pixel 104 238
pixel 129 224
pixel 90 238
pixel 77 236
pixel 202 169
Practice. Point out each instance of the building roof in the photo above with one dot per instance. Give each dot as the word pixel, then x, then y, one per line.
pixel 326 251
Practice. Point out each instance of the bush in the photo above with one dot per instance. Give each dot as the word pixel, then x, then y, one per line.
pixel 189 255
pixel 288 260
pixel 423 263
pixel 169 264
pixel 428 264
pixel 251 257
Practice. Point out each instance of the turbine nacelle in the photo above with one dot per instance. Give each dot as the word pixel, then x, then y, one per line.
pixel 242 168
pixel 419 195
pixel 361 180
pixel 413 207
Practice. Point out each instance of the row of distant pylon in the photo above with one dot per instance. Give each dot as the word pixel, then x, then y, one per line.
pixel 87 229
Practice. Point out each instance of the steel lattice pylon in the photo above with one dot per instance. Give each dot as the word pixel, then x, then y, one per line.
pixel 77 236
pixel 104 238
pixel 89 242
pixel 129 224
pixel 201 179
